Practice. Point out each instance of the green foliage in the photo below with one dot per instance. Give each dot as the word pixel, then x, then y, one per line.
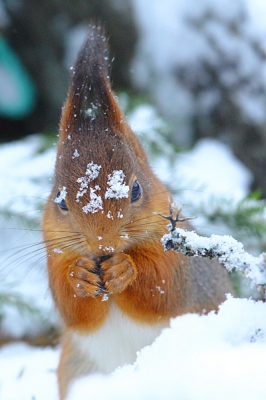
pixel 15 300
pixel 23 219
pixel 245 220
pixel 153 131
pixel 47 333
pixel 48 141
pixel 129 100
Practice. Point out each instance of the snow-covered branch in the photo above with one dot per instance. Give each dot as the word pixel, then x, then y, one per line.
pixel 227 250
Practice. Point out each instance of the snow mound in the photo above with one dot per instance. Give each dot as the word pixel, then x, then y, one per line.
pixel 216 356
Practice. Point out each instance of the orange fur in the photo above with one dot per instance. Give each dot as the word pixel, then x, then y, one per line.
pixel 101 254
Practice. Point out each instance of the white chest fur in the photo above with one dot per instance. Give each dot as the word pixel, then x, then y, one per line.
pixel 116 342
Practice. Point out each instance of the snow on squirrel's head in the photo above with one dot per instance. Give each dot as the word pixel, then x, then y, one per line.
pixel 101 166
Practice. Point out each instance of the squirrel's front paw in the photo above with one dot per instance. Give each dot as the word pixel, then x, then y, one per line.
pixel 118 272
pixel 84 278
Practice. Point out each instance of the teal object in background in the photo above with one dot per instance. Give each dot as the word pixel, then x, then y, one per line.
pixel 17 90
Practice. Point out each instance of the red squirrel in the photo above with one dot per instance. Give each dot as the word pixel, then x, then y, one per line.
pixel 110 278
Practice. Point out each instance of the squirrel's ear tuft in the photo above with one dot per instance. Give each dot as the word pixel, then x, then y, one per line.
pixel 90 100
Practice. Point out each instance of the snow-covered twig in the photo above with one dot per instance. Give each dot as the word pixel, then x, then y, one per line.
pixel 227 250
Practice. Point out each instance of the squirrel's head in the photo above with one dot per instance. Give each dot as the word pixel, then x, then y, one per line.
pixel 104 190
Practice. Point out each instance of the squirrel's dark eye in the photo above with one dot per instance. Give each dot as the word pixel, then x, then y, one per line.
pixel 136 192
pixel 61 201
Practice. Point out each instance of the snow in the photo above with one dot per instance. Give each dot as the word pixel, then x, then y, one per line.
pixel 28 373
pixel 109 215
pixel 256 9
pixel 61 196
pixel 146 123
pixel 92 172
pixel 185 37
pixel 75 154
pixel 110 249
pixel 226 249
pixel 25 164
pixel 209 170
pixel 117 188
pixel 95 204
pixel 216 356
pixel 59 251
pixel 26 183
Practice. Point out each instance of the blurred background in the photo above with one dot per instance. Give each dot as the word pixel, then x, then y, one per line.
pixel 191 78
pixel 202 64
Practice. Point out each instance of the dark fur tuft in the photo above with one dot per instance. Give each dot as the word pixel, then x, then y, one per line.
pixel 90 98
pixel 90 71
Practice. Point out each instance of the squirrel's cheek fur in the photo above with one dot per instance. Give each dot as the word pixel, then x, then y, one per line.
pixel 111 280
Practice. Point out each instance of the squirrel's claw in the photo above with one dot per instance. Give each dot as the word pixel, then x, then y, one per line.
pixel 83 279
pixel 118 272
